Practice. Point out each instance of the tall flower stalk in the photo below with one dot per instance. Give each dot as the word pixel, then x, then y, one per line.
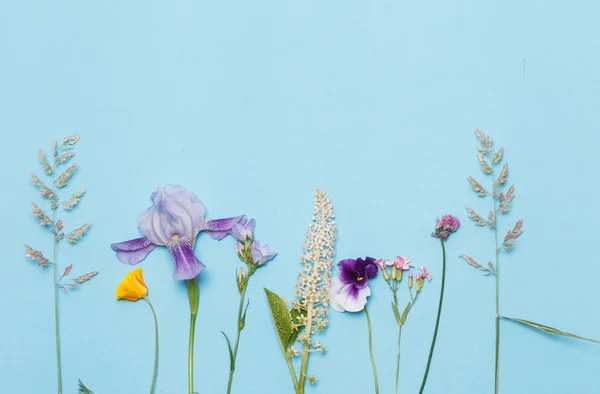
pixel 194 298
pixel 349 292
pixel 502 198
pixel 133 288
pixel 393 273
pixel 61 154
pixel 254 256
pixel 501 203
pixel 445 226
pixel 308 313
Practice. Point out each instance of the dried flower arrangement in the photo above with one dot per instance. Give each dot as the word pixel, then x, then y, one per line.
pixel 61 154
pixel 488 160
pixel 309 309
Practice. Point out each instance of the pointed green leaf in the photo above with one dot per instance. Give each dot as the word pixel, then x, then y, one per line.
pixel 242 321
pixel 231 361
pixel 405 313
pixel 83 389
pixel 297 316
pixel 397 314
pixel 548 329
pixel 282 319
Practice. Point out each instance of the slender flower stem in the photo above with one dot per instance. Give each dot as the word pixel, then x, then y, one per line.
pixel 193 295
pixel 371 351
pixel 237 337
pixel 497 358
pixel 55 273
pixel 398 360
pixel 155 346
pixel 288 359
pixel 437 321
pixel 304 362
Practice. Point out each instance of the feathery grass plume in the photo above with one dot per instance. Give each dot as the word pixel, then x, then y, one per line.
pixel 78 233
pixel 74 200
pixel 308 313
pixel 55 227
pixel 63 158
pixel 63 179
pixel 502 200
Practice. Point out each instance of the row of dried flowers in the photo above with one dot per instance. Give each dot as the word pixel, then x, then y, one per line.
pixel 177 217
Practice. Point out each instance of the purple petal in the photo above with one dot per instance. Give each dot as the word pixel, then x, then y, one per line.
pixel 371 267
pixel 261 254
pixel 187 266
pixel 220 228
pixel 347 272
pixel 238 232
pixel 133 251
pixel 176 211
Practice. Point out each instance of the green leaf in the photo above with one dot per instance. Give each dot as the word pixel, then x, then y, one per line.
pixel 548 329
pixel 231 361
pixel 83 389
pixel 297 316
pixel 405 313
pixel 397 314
pixel 242 321
pixel 282 319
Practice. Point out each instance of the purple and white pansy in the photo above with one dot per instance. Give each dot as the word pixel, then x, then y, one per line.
pixel 350 289
pixel 175 220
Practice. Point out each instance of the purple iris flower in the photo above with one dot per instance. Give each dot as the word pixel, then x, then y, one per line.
pixel 174 220
pixel 261 254
pixel 349 290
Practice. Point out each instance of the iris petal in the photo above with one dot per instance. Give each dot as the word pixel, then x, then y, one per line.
pixel 133 251
pixel 220 228
pixel 187 266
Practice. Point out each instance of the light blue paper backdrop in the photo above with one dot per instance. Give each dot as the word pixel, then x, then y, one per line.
pixel 255 104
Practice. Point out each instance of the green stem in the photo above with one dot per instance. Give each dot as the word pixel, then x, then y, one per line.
pixel 437 321
pixel 155 346
pixel 237 337
pixel 497 358
pixel 193 295
pixel 56 325
pixel 398 360
pixel 371 351
pixel 288 359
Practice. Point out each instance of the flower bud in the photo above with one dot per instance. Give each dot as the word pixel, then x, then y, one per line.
pixel 399 275
pixel 394 272
pixel 410 279
pixel 385 274
pixel 241 279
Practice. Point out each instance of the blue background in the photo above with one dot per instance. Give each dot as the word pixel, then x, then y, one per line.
pixel 253 106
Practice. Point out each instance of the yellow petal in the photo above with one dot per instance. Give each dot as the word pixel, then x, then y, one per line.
pixel 132 287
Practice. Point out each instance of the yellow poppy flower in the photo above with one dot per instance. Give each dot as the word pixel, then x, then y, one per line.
pixel 132 287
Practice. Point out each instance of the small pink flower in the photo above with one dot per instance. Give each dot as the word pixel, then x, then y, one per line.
pixel 418 276
pixel 389 262
pixel 426 274
pixel 445 226
pixel 380 263
pixel 402 263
